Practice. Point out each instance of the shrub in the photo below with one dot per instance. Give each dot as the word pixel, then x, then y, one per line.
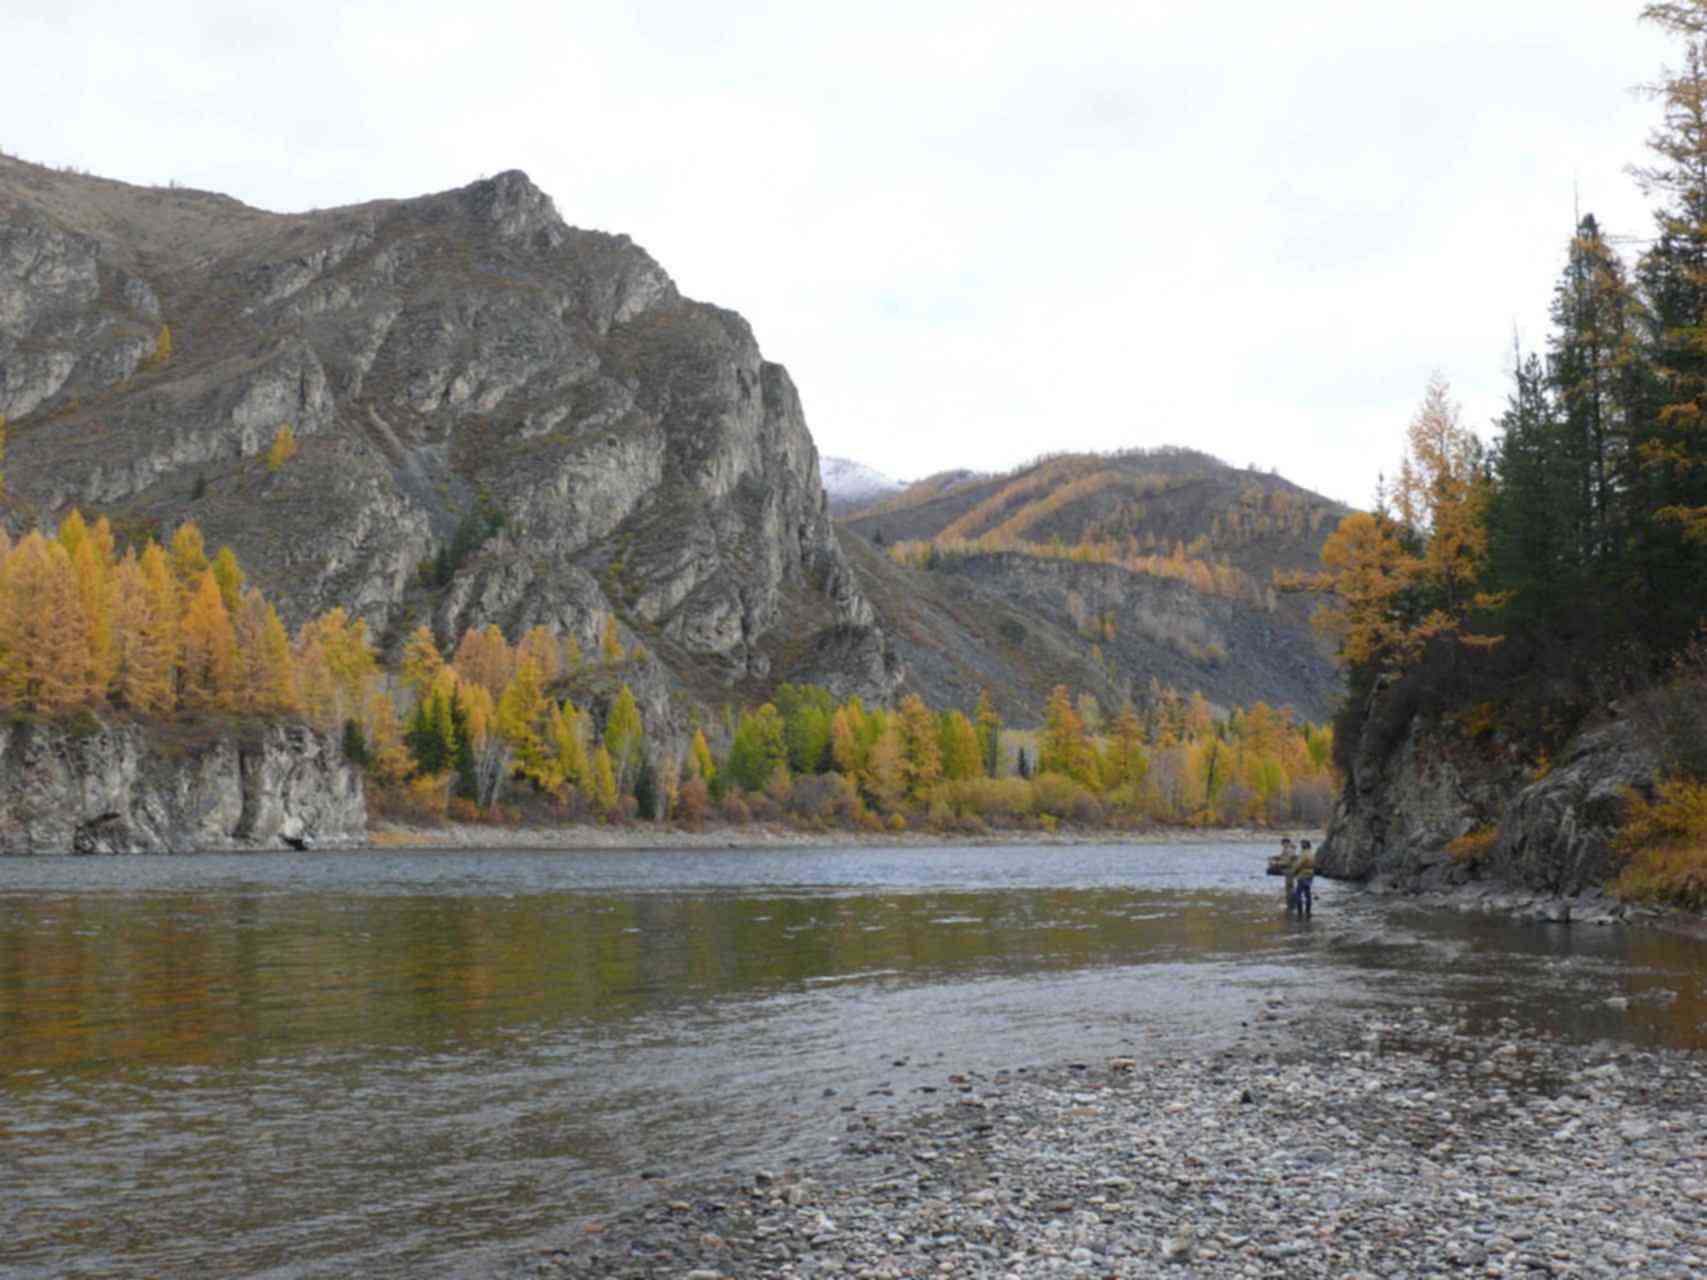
pixel 1058 796
pixel 823 797
pixel 1665 842
pixel 693 802
pixel 735 808
pixel 1471 847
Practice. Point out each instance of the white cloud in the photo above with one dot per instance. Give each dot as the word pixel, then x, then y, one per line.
pixel 974 231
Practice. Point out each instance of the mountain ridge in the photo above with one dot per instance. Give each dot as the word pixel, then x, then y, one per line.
pixel 458 360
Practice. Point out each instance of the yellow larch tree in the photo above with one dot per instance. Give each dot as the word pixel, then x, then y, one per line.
pixel 521 714
pixel 145 633
pixel 189 558
pixel 208 649
pixel 44 661
pixel 92 571
pixel 602 784
pixel 422 662
pixel 231 578
pixel 283 447
pixel 921 750
pixel 610 644
pixel 540 644
pixel 485 659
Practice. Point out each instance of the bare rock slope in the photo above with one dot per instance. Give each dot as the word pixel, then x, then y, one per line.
pixel 463 360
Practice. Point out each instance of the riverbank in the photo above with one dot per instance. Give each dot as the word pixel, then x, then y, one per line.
pixel 1593 907
pixel 1325 1146
pixel 383 834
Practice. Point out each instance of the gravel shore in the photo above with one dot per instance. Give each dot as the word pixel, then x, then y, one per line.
pixel 1342 1146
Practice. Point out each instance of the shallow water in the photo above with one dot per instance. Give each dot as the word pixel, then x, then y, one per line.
pixel 390 1063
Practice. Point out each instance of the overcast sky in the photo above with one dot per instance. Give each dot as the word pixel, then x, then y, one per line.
pixel 973 230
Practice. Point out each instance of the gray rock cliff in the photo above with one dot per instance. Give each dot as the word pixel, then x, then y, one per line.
pixel 118 788
pixel 1416 785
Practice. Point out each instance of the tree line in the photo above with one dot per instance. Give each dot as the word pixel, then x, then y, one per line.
pixel 1518 589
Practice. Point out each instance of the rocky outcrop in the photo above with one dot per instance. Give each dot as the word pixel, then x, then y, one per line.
pixel 1416 785
pixel 123 788
pixel 629 452
pixel 1555 834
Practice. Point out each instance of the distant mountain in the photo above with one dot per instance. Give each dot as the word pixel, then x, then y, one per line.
pixel 852 485
pixel 1158 564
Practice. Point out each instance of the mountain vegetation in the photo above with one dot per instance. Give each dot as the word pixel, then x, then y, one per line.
pixel 1162 562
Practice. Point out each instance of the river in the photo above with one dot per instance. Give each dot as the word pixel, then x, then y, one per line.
pixel 408 1063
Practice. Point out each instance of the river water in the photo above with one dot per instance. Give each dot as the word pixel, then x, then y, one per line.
pixel 430 1063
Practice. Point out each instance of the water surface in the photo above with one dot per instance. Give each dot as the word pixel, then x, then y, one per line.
pixel 405 1063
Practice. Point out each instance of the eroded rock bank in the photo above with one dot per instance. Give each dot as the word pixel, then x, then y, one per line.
pixel 129 788
pixel 1428 808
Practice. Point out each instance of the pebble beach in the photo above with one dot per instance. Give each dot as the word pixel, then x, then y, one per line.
pixel 1348 1145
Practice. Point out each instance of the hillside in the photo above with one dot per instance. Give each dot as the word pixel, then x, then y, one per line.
pixel 455 409
pixel 1157 564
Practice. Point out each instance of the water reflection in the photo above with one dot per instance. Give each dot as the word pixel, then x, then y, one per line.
pixel 90 981
pixel 337 1065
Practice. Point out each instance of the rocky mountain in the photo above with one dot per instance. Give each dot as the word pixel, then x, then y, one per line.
pixel 499 418
pixel 851 485
pixel 1152 563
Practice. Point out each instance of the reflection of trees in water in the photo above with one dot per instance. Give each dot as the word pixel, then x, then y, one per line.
pixel 195 978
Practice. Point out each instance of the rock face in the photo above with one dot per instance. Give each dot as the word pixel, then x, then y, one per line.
pixel 121 789
pixel 1415 786
pixel 1555 834
pixel 458 360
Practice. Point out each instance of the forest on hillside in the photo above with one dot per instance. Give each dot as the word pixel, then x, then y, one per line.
pixel 1519 591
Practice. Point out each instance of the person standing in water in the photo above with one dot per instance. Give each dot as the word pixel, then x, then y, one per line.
pixel 1291 865
pixel 1305 872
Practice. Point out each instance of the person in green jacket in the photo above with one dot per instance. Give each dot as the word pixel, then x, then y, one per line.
pixel 1304 871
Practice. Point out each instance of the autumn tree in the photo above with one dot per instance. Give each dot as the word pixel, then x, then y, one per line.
pixel 231 579
pixel 602 790
pixel 921 752
pixel 757 748
pixel 522 711
pixel 541 645
pixel 43 649
pixel 145 633
pixel 484 659
pixel 700 764
pixel 208 649
pixel 189 559
pixel 283 448
pixel 610 644
pixel 421 662
pixel 1127 764
pixel 989 724
pixel 1064 747
pixel 624 737
pixel 958 747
